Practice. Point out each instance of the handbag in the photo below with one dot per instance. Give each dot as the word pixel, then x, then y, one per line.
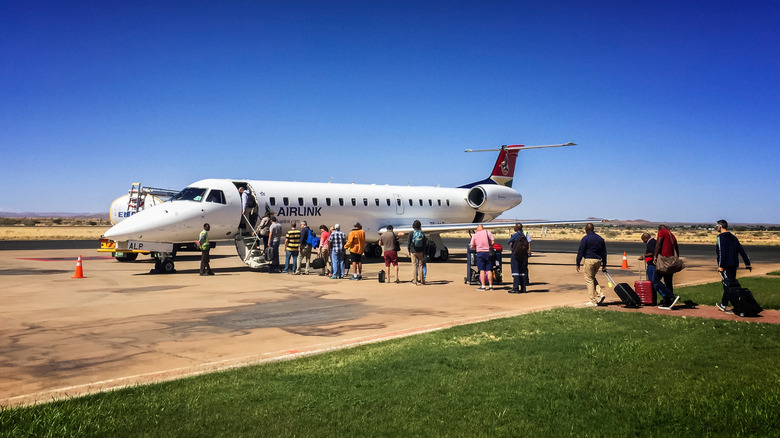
pixel 318 263
pixel 669 265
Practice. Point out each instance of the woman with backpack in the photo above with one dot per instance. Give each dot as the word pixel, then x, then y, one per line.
pixel 417 245
pixel 520 248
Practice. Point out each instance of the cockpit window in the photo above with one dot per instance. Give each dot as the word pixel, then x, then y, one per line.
pixel 190 194
pixel 216 196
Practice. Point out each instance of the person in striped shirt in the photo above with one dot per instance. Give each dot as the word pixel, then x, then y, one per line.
pixel 291 243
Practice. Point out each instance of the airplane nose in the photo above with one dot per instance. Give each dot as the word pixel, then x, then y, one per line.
pixel 167 222
pixel 158 224
pixel 131 228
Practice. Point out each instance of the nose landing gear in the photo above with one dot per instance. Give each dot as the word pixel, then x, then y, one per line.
pixel 163 264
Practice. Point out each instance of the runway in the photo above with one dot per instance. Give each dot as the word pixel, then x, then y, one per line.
pixel 120 326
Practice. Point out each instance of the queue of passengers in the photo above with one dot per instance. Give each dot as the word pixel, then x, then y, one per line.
pixel 335 251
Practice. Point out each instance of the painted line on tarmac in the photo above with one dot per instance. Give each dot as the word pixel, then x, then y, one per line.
pixel 63 259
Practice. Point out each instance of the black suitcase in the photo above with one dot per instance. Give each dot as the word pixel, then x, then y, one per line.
pixel 381 276
pixel 626 294
pixel 742 300
pixel 268 253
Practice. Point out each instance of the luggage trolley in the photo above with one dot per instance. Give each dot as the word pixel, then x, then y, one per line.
pixel 472 274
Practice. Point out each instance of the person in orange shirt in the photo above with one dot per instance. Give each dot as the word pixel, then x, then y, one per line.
pixel 356 243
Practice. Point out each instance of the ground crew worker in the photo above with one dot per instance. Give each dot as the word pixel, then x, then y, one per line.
pixel 205 246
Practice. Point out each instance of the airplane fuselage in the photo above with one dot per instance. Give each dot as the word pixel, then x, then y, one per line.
pixel 217 201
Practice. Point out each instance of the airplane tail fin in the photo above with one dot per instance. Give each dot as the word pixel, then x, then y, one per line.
pixel 504 169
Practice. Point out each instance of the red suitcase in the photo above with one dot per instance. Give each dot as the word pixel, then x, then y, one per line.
pixel 645 291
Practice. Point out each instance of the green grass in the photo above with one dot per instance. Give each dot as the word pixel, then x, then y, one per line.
pixel 766 290
pixel 564 372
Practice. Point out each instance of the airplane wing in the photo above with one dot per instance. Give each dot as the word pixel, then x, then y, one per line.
pixel 443 228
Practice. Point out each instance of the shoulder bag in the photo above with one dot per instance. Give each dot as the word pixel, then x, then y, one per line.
pixel 669 265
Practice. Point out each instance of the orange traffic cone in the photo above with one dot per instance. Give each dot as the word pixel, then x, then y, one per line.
pixel 79 270
pixel 625 262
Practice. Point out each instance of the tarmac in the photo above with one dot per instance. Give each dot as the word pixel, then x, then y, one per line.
pixel 63 337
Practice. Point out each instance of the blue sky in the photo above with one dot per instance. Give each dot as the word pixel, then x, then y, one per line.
pixel 675 105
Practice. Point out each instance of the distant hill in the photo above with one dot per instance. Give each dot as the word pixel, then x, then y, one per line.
pixel 102 215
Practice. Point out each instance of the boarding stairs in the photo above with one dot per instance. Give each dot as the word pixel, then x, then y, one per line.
pixel 249 247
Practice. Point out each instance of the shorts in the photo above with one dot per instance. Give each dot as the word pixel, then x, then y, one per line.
pixel 483 261
pixel 355 257
pixel 391 257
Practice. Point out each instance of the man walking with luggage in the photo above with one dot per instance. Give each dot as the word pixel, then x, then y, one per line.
pixel 669 298
pixel 728 250
pixel 594 250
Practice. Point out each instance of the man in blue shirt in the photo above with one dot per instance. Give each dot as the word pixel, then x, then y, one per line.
pixel 594 251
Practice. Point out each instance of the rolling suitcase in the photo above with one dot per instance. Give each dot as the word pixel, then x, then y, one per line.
pixel 742 300
pixel 381 276
pixel 627 295
pixel 645 290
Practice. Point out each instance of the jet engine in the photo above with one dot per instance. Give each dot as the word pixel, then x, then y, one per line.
pixel 493 198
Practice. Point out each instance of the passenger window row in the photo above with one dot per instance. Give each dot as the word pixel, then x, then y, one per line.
pixel 364 201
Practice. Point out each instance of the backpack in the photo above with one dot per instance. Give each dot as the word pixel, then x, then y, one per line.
pixel 313 240
pixel 251 202
pixel 417 240
pixel 520 246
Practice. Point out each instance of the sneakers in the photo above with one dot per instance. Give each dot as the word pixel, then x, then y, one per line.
pixel 481 288
pixel 514 291
pixel 721 307
pixel 601 299
pixel 591 304
pixel 674 301
pixel 397 280
pixel 490 287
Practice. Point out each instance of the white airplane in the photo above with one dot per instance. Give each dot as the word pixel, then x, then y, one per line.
pixel 178 222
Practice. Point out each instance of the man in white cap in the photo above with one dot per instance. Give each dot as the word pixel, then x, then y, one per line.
pixel 336 241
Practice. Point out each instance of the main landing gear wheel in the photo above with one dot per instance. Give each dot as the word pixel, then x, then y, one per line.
pixel 373 250
pixel 444 255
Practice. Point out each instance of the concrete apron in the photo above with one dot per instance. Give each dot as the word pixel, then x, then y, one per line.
pixel 120 326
